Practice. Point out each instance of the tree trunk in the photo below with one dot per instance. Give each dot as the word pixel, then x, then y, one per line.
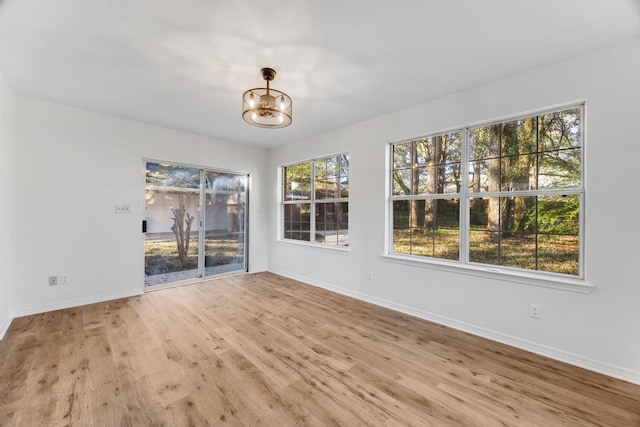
pixel 181 218
pixel 523 167
pixel 493 174
pixel 415 182
pixel 435 179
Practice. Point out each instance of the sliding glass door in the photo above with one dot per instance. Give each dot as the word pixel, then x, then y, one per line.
pixel 195 223
pixel 224 240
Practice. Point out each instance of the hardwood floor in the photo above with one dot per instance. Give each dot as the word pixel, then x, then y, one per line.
pixel 264 350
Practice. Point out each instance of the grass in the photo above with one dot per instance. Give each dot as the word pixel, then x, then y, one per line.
pixel 442 243
pixel 555 253
pixel 161 256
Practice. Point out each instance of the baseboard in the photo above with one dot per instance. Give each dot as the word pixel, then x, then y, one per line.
pixel 4 325
pixel 540 349
pixel 27 311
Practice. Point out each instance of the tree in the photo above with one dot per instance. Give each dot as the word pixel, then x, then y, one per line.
pixel 493 174
pixel 181 228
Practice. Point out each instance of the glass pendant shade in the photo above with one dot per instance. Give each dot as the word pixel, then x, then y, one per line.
pixel 266 107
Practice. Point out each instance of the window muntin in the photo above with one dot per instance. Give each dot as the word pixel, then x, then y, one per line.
pixel 520 205
pixel 316 201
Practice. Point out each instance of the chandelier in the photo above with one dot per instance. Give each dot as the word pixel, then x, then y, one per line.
pixel 267 107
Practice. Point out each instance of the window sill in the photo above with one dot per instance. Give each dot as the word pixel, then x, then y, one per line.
pixel 341 250
pixel 553 282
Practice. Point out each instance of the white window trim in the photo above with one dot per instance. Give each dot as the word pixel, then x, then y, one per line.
pixel 534 278
pixel 311 202
pixel 572 283
pixel 316 246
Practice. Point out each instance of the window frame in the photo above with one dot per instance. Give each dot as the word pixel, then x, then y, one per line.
pixel 463 265
pixel 312 202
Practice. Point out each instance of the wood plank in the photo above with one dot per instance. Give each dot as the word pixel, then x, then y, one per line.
pixel 262 349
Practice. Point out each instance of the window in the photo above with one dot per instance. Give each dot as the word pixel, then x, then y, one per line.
pixel 514 202
pixel 426 196
pixel 315 201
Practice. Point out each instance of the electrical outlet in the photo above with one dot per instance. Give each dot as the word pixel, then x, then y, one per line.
pixel 53 280
pixel 63 279
pixel 535 311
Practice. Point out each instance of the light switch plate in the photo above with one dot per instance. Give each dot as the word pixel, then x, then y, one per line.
pixel 123 209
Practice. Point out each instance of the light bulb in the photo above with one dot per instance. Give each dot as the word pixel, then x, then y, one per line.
pixel 252 103
pixel 254 116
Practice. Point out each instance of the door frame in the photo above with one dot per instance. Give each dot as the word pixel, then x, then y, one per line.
pixel 201 223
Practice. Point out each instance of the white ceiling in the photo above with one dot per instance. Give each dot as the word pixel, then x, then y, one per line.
pixel 185 64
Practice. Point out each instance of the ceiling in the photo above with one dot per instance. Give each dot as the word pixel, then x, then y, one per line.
pixel 185 64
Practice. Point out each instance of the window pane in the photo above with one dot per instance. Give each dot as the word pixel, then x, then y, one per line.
pixel 344 165
pixel 326 189
pixel 423 180
pixel 321 169
pixel 413 181
pixel 344 188
pixel 518 251
pixel 332 188
pixel 503 231
pixel 559 215
pixel 555 137
pixel 558 253
pixel 478 176
pixel 453 147
pixel 297 182
pixel 332 177
pixel 518 136
pixel 402 156
pixel 424 154
pixel 446 229
pixel 479 142
pixel 320 181
pixel 427 228
pixel 343 177
pixel 560 169
pixel 484 175
pixel 332 223
pixel 438 149
pixel 521 232
pixel 483 247
pixel 432 179
pixel 560 130
pixel 343 223
pixel 326 223
pixel 297 221
pixel 447 178
pixel 402 182
pixel 333 166
pixel 401 230
pixel 518 173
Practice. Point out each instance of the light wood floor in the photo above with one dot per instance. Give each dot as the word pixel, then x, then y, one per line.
pixel 265 350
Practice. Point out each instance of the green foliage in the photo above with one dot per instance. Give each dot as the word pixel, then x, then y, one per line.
pixel 556 215
pixel 297 181
pixel 167 175
pixel 331 178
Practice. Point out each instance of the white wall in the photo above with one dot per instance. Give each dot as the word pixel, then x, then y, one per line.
pixel 70 167
pixel 5 205
pixel 597 330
